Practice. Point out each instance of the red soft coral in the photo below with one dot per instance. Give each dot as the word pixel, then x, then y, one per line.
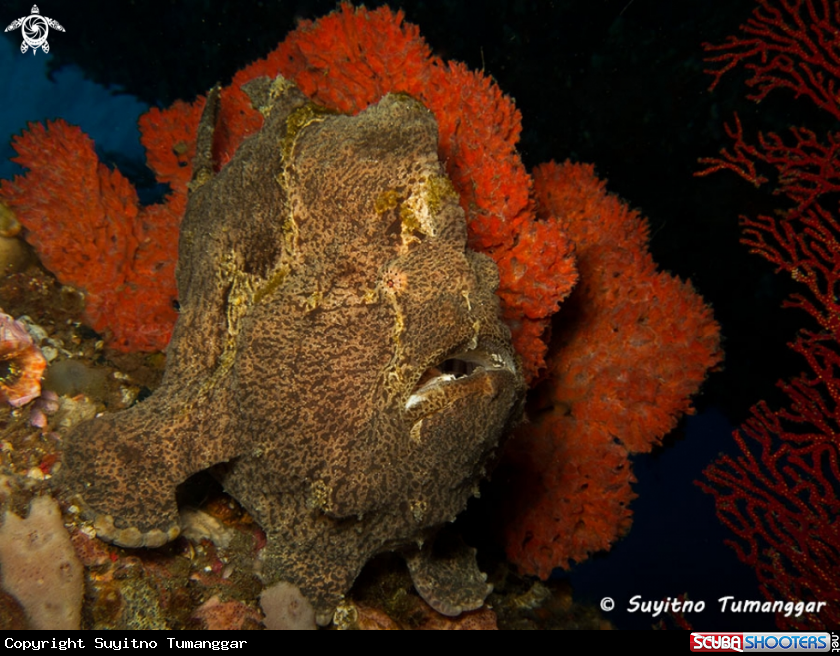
pixel 630 347
pixel 85 223
pixel 169 136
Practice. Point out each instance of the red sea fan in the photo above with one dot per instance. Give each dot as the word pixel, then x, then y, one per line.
pixel 780 495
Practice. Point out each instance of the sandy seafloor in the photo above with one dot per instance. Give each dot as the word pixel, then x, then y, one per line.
pixel 619 84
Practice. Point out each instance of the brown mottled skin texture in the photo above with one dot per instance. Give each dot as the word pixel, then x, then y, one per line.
pixel 323 279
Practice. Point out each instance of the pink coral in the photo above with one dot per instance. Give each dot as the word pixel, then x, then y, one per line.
pixel 21 363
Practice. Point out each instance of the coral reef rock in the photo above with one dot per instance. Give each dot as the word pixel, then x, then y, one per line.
pixel 338 359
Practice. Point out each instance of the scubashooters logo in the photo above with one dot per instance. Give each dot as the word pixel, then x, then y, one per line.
pixel 765 642
pixel 34 29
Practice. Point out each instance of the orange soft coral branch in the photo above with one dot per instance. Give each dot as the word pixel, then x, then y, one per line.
pixel 649 338
pixel 169 136
pixel 85 223
pixel 346 60
pixel 534 275
pixel 569 492
pixel 631 346
pixel 65 175
pixel 352 57
pixel 477 121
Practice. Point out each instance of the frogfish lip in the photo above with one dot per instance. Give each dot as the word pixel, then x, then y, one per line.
pixel 463 373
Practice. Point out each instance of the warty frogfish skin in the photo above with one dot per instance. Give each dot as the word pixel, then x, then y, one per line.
pixel 338 362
